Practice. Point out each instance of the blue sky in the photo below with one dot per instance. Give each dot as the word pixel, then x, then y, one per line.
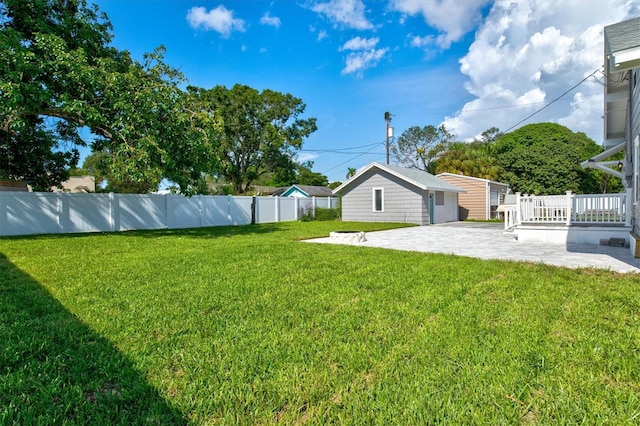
pixel 468 64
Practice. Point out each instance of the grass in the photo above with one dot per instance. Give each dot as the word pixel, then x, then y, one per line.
pixel 247 325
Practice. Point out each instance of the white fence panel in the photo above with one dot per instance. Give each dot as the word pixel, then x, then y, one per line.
pixel 88 212
pixel 266 209
pixel 240 210
pixel 23 213
pixel 183 212
pixel 287 209
pixel 141 211
pixel 215 211
pixel 305 207
pixel 27 213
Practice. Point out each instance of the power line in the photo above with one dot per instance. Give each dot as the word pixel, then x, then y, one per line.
pixel 339 150
pixel 553 101
pixel 351 159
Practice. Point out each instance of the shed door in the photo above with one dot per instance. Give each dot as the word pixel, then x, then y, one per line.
pixel 431 209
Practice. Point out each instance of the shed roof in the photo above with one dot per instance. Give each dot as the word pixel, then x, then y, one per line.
pixel 415 177
pixel 473 178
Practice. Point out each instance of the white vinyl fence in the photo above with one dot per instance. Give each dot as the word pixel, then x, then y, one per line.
pixel 23 213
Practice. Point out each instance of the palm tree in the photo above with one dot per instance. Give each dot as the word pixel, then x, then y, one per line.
pixel 351 171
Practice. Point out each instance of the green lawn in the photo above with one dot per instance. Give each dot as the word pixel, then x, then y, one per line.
pixel 248 325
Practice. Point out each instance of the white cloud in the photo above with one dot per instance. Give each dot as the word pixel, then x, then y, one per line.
pixel 322 35
pixel 454 18
pixel 273 21
pixel 219 19
pixel 347 13
pixel 359 43
pixel 359 61
pixel 526 54
pixel 362 54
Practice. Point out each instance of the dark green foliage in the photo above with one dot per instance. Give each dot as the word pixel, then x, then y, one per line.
pixel 58 75
pixel 306 176
pixel 292 173
pixel 323 214
pixel 545 159
pixel 258 131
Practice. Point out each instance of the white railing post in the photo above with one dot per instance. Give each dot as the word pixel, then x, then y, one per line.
pixel 628 205
pixel 569 209
pixel 518 218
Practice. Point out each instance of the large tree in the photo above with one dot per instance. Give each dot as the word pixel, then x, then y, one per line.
pixel 59 74
pixel 545 158
pixel 101 167
pixel 418 147
pixel 259 134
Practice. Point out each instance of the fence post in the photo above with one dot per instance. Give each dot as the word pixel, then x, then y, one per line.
pixel 229 218
pixel 518 218
pixel 253 210
pixel 569 209
pixel 296 207
pixel 201 209
pixel 313 205
pixel 277 212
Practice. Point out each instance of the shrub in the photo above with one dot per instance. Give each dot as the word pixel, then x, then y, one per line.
pixel 321 214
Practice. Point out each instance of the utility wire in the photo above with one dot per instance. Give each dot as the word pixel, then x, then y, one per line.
pixel 553 101
pixel 339 150
pixel 351 159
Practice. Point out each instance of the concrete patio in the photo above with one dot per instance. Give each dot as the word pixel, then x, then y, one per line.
pixel 488 241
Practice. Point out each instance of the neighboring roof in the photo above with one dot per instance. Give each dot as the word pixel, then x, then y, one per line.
pixel 415 177
pixel 278 191
pixel 309 190
pixel 472 178
pixel 622 44
pixel 14 185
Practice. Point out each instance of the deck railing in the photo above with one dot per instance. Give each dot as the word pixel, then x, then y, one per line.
pixel 568 209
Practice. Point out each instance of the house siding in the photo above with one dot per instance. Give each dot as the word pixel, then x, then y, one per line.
pixel 402 202
pixel 473 203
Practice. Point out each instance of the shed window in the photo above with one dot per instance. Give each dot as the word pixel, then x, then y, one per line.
pixel 378 199
pixel 439 198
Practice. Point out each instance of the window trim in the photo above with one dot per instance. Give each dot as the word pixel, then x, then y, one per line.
pixel 373 197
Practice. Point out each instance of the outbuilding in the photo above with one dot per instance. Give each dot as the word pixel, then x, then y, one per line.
pixel 482 196
pixel 385 193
